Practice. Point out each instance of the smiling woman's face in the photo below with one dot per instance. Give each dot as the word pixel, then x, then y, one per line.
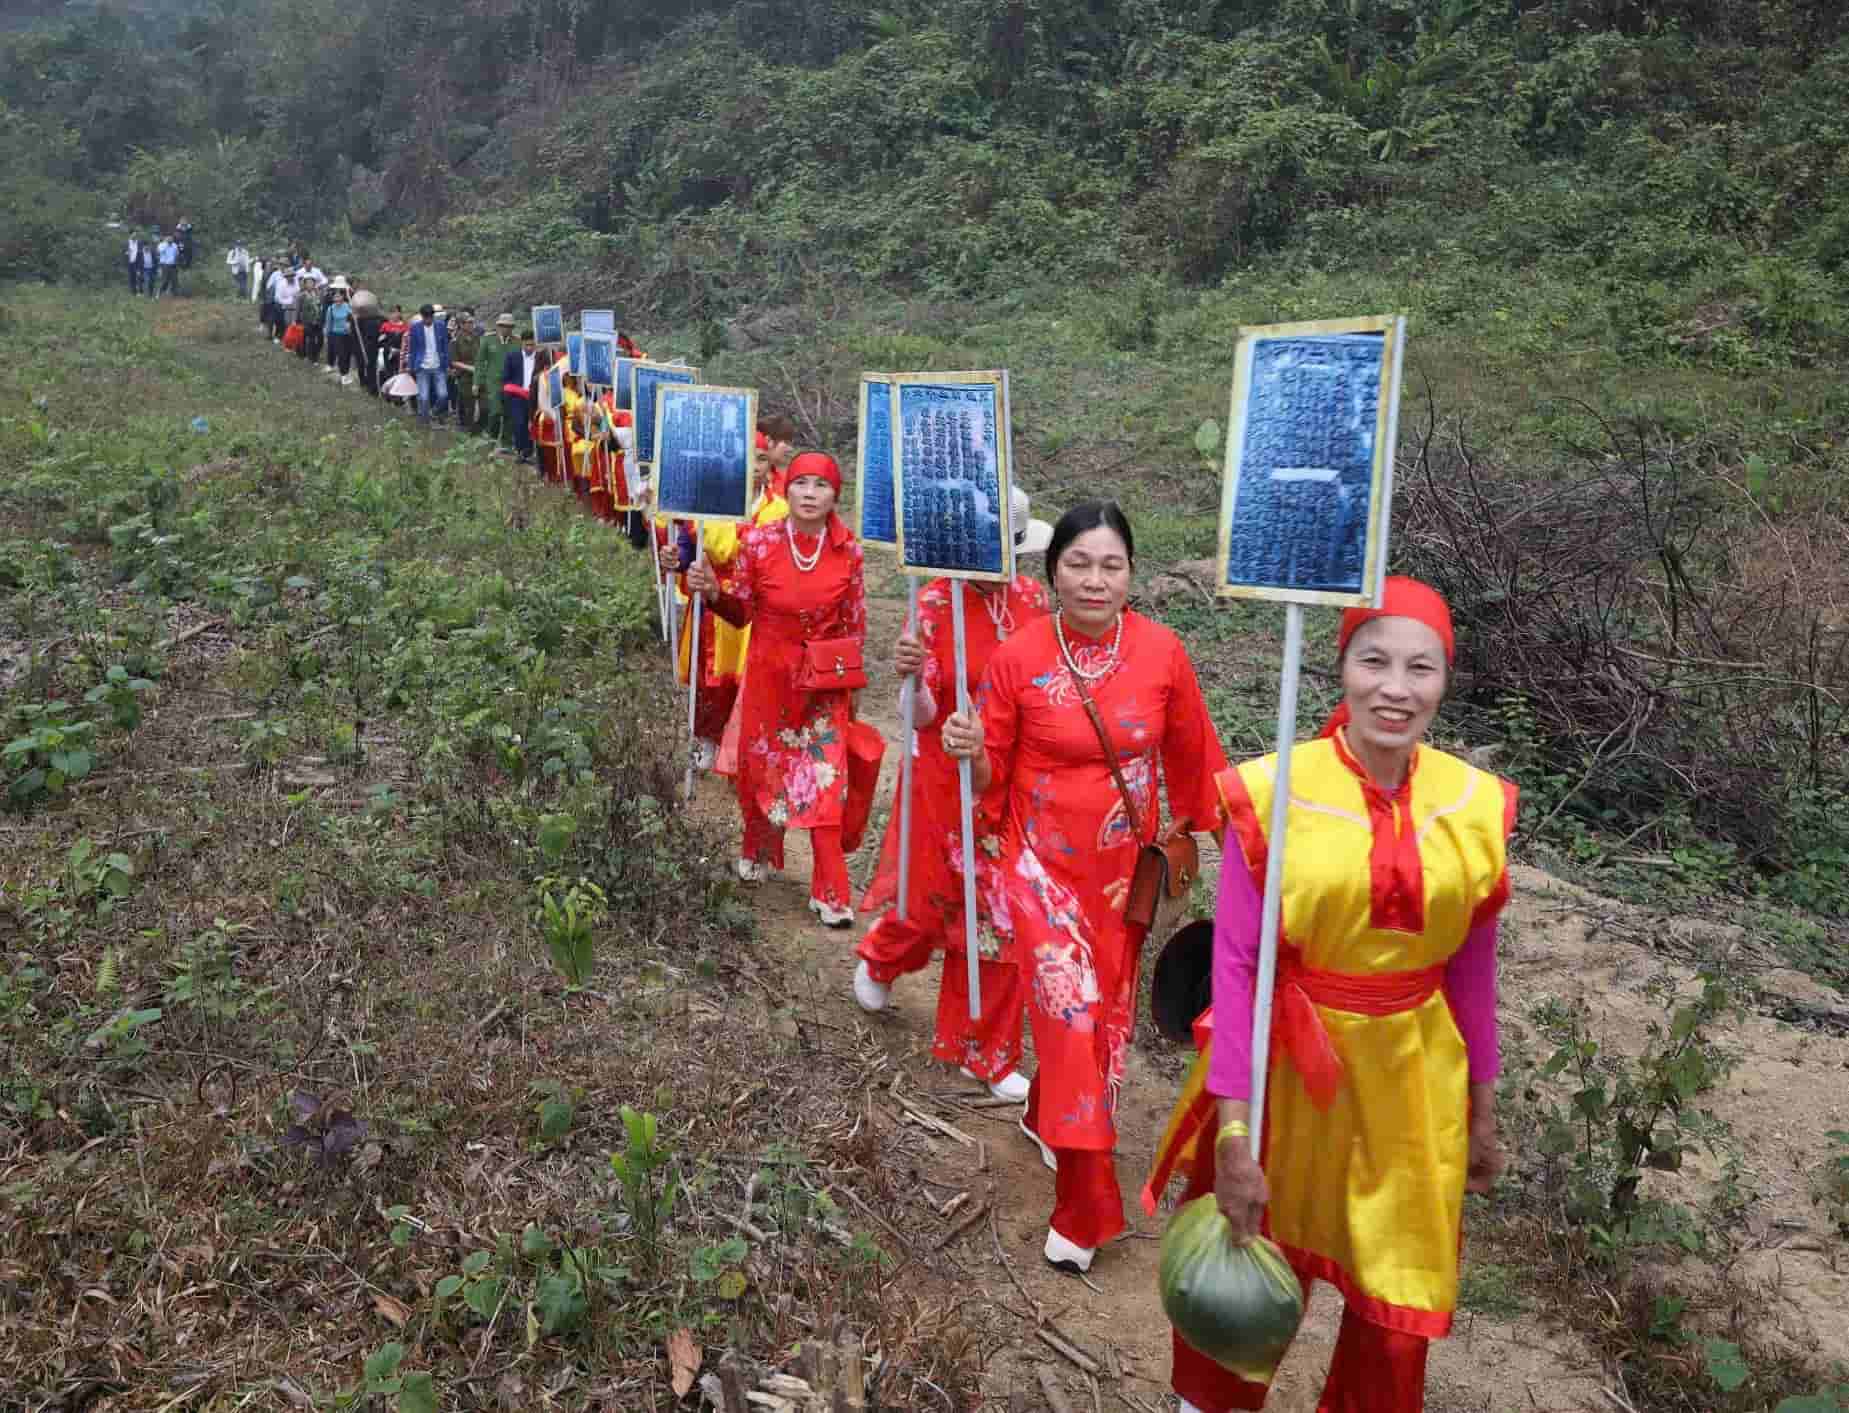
pixel 1393 678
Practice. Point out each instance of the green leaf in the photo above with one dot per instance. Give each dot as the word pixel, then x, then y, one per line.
pixel 448 1286
pixel 419 1394
pixel 555 834
pixel 475 1263
pixel 483 1296
pixel 385 1361
pixel 708 1261
pixel 731 1285
pixel 555 1116
pixel 1725 1366
pixel 1207 438
pixel 1810 1403
pixel 561 1304
pixel 534 1243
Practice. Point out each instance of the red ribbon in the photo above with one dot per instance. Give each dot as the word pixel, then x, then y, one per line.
pixel 1299 1031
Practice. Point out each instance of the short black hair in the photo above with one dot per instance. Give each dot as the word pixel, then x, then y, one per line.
pixel 1088 515
pixel 525 334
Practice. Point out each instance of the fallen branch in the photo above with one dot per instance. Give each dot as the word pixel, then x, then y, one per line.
pixel 961 1227
pixel 1066 1350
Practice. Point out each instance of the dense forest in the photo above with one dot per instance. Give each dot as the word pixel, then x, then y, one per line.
pixel 1684 150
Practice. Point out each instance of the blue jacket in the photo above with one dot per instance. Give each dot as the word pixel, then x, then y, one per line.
pixel 337 317
pixel 419 331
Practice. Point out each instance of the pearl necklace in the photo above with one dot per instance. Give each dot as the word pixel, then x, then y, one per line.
pixel 1003 619
pixel 803 566
pixel 1059 631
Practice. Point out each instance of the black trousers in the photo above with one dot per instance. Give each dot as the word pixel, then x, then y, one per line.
pixel 311 341
pixel 345 348
pixel 170 279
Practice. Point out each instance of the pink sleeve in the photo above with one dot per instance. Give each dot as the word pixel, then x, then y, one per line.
pixel 1235 969
pixel 1470 987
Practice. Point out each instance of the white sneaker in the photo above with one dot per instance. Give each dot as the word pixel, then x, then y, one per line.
pixel 1066 1255
pixel 1012 1085
pixel 872 995
pixel 704 754
pixel 346 380
pixel 1047 1155
pixel 751 871
pixel 830 915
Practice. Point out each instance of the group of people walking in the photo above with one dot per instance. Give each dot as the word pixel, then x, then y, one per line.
pixel 1382 1083
pixel 1085 712
pixel 154 261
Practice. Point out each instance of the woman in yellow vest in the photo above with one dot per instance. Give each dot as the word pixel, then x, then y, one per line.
pixel 1380 1105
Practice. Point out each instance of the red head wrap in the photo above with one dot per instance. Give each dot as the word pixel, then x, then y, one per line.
pixel 763 442
pixel 1403 598
pixel 815 463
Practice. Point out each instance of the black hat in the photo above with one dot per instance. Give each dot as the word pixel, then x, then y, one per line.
pixel 1183 984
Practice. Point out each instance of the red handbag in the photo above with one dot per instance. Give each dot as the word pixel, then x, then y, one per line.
pixel 832 665
pixel 865 749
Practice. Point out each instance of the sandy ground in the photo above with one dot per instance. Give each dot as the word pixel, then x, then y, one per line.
pixel 1787 1093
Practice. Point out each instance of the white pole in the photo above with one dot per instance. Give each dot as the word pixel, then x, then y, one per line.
pixel 693 661
pixel 1270 917
pixel 967 801
pixel 908 697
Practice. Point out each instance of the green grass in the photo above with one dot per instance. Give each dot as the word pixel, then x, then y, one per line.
pixel 394 685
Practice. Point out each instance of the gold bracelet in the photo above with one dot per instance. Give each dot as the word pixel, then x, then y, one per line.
pixel 1233 1128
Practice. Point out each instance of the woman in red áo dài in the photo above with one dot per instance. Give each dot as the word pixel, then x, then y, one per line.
pixel 988 1049
pixel 796 583
pixel 1068 840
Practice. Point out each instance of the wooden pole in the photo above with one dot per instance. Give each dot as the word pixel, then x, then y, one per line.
pixel 967 803
pixel 1271 914
pixel 693 661
pixel 908 697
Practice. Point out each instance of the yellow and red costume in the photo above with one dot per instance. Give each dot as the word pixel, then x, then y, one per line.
pixel 722 646
pixel 549 435
pixel 1386 895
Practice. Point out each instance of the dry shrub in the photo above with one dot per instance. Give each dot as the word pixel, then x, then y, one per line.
pixel 1648 641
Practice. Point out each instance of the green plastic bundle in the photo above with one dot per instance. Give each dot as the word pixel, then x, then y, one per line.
pixel 1238 1305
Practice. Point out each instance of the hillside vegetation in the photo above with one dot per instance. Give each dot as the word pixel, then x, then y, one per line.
pixel 1620 228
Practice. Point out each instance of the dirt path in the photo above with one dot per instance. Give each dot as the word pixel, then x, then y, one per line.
pixel 1487 1366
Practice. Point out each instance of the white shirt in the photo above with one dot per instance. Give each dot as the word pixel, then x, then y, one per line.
pixel 430 347
pixel 526 368
pixel 286 290
pixel 239 258
pixel 315 270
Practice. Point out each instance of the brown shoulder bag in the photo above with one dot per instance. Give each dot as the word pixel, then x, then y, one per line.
pixel 1168 866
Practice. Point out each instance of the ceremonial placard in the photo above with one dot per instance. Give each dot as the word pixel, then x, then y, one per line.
pixel 574 353
pixel 598 321
pixel 877 500
pixel 951 474
pixel 625 383
pixel 1308 487
pixel 704 438
pixel 644 380
pixel 548 324
pixel 552 389
pixel 599 359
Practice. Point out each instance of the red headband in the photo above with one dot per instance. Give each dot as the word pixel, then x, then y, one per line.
pixel 1403 598
pixel 763 442
pixel 814 463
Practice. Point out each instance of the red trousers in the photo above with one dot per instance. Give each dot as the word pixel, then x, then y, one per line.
pixel 989 1047
pixel 1088 1206
pixel 1373 1369
pixel 828 883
